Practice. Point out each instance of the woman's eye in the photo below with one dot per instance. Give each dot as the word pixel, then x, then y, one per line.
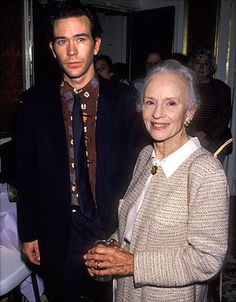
pixel 149 102
pixel 171 103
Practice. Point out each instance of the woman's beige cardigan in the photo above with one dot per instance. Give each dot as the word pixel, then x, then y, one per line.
pixel 179 239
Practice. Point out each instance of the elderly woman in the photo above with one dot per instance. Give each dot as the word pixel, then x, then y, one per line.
pixel 173 218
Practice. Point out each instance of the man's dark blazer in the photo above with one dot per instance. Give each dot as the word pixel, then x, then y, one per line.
pixel 44 211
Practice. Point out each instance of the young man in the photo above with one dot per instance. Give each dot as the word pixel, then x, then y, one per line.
pixel 76 148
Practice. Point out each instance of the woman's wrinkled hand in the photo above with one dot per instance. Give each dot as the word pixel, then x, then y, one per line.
pixel 102 260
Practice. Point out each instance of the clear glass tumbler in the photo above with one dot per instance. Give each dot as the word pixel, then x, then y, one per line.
pixel 108 242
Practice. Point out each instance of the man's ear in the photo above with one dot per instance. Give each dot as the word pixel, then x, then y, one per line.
pixel 97 45
pixel 52 49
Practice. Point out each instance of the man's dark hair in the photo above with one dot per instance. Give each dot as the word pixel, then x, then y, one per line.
pixel 72 8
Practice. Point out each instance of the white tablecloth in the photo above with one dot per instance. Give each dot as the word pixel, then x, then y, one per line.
pixel 8 227
pixel 9 237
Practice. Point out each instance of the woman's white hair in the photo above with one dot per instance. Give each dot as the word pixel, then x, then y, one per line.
pixel 185 73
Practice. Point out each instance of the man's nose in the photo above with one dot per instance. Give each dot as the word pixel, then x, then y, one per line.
pixel 72 49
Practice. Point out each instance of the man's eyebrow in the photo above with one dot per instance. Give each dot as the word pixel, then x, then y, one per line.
pixel 58 38
pixel 81 35
pixel 75 36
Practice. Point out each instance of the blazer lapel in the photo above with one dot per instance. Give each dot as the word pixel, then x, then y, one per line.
pixel 134 192
pixel 52 118
pixel 104 123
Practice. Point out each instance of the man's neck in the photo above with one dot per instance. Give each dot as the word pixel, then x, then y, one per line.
pixel 79 83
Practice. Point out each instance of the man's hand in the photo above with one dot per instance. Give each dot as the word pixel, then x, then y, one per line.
pixel 31 250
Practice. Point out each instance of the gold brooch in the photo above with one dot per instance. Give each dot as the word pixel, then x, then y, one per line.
pixel 154 169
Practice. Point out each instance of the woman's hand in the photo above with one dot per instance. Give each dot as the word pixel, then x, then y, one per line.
pixel 102 260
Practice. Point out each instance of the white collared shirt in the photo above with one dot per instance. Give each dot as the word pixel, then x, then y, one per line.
pixel 169 165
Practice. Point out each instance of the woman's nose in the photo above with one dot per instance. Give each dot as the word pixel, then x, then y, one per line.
pixel 201 66
pixel 158 111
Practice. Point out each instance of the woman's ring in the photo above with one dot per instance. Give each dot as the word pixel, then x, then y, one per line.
pixel 98 263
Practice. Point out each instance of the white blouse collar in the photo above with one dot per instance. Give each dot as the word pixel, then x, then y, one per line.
pixel 172 162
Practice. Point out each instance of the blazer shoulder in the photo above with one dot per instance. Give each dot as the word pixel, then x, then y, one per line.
pixel 146 152
pixel 114 90
pixel 143 157
pixel 38 93
pixel 203 163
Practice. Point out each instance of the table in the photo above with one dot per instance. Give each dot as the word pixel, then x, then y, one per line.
pixel 9 240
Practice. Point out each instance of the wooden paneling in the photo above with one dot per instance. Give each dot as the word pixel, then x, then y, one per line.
pixel 11 73
pixel 201 24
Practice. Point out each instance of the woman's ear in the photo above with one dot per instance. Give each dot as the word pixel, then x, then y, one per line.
pixel 189 116
pixel 191 112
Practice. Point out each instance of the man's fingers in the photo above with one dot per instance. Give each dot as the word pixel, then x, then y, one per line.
pixel 37 253
pixel 31 250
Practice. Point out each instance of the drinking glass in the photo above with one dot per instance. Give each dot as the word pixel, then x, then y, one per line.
pixel 108 242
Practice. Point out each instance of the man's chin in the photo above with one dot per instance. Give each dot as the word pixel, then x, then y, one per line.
pixel 74 75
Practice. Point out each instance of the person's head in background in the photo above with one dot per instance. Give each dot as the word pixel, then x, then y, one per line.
pixel 103 66
pixel 203 63
pixel 180 57
pixel 121 72
pixel 75 38
pixel 153 58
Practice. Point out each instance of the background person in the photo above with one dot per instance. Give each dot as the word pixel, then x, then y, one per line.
pixel 211 123
pixel 180 57
pixel 121 73
pixel 173 218
pixel 103 66
pixel 75 145
pixel 152 59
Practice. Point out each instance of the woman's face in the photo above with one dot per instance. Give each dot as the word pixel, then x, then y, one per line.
pixel 103 69
pixel 165 107
pixel 201 65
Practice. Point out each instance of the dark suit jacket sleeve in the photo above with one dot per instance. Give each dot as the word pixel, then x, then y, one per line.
pixel 118 144
pixel 137 136
pixel 27 205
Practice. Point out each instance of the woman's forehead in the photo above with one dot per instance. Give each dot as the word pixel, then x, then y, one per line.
pixel 202 57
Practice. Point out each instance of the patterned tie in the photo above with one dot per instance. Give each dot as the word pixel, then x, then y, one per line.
pixel 86 201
